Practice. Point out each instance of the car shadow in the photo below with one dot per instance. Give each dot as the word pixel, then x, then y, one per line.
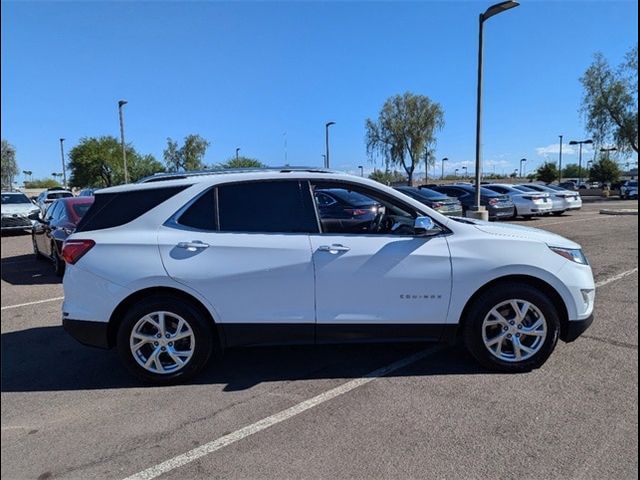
pixel 48 359
pixel 27 270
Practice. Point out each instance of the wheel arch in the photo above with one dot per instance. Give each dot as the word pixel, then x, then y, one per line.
pixel 118 313
pixel 535 282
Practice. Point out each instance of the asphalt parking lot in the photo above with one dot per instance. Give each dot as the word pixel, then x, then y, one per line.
pixel 70 411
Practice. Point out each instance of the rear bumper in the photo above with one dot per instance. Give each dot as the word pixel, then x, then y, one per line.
pixel 93 334
pixel 575 328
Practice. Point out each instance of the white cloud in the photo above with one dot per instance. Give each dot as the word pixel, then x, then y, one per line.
pixel 554 149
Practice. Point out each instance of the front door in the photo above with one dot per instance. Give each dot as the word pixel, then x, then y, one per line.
pixel 250 258
pixel 383 282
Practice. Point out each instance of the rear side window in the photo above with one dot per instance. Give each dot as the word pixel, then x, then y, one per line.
pixel 114 209
pixel 279 206
pixel 201 214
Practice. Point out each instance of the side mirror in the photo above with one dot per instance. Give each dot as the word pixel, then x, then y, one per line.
pixel 424 226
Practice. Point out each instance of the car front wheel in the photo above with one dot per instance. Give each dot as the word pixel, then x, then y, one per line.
pixel 513 328
pixel 164 340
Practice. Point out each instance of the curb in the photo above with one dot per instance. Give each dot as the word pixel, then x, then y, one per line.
pixel 621 211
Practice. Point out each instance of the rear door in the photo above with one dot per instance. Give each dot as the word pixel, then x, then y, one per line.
pixel 245 248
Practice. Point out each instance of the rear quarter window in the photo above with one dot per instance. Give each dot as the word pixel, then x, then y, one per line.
pixel 114 209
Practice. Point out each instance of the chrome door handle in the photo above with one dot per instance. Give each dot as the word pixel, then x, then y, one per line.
pixel 193 246
pixel 335 248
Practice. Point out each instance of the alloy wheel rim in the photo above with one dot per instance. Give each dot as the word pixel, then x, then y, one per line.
pixel 162 342
pixel 514 330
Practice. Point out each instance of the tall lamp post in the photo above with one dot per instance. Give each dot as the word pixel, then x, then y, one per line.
pixel 456 172
pixel 478 211
pixel 524 160
pixel 326 141
pixel 445 159
pixel 237 151
pixel 608 150
pixel 122 103
pixel 466 171
pixel 560 161
pixel 361 170
pixel 64 169
pixel 580 142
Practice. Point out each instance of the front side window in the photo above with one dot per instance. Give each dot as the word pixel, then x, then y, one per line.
pixel 278 206
pixel 358 210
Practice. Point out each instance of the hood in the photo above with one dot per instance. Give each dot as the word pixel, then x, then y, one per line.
pixel 525 233
pixel 20 208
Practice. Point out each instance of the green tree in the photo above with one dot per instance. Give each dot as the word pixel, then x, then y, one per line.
pixel 387 177
pixel 9 167
pixel 604 171
pixel 404 132
pixel 241 162
pixel 188 157
pixel 547 173
pixel 610 102
pixel 97 162
pixel 571 170
pixel 42 183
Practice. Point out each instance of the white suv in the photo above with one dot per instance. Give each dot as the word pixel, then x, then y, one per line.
pixel 175 270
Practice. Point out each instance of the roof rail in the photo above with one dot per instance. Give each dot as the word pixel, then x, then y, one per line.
pixel 164 176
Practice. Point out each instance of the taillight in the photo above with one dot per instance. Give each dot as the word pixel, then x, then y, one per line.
pixel 73 250
pixel 356 211
pixel 437 205
pixel 493 201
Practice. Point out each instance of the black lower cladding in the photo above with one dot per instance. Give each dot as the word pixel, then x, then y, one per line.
pixel 89 333
pixel 575 328
pixel 251 334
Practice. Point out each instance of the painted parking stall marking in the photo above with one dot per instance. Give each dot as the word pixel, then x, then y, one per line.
pixel 9 307
pixel 272 420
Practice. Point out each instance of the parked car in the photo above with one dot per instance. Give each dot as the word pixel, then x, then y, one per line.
pixel 170 272
pixel 563 200
pixel 88 192
pixel 18 212
pixel 436 200
pixel 526 204
pixel 569 186
pixel 499 206
pixel 629 190
pixel 49 196
pixel 344 210
pixel 60 220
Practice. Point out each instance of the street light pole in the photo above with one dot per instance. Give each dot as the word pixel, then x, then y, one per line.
pixel 524 160
pixel 580 143
pixel 478 211
pixel 361 170
pixel 326 140
pixel 122 103
pixel 445 159
pixel 560 162
pixel 607 150
pixel 456 172
pixel 237 156
pixel 64 169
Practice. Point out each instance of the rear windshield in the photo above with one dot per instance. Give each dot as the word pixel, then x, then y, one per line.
pixel 348 197
pixel 81 208
pixel 56 195
pixel 114 209
pixel 14 199
pixel 423 193
pixel 522 188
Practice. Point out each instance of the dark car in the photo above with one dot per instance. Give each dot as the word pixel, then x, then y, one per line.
pixel 343 210
pixel 59 221
pixel 498 205
pixel 436 200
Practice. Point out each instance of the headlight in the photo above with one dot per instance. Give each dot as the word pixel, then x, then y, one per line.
pixel 573 254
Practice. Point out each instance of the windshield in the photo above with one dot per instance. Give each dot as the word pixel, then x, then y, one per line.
pixel 14 199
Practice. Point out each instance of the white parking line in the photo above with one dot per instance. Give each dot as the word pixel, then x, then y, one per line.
pixel 560 222
pixel 265 423
pixel 9 307
pixel 615 278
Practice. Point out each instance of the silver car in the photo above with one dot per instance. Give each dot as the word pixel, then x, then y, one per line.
pixel 528 204
pixel 18 212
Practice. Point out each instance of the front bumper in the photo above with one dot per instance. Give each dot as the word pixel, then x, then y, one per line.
pixel 93 334
pixel 17 222
pixel 573 329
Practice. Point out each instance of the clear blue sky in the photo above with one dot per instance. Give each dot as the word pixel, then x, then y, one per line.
pixel 241 74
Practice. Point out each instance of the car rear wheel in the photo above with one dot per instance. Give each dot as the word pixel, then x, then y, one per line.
pixel 513 328
pixel 58 263
pixel 164 340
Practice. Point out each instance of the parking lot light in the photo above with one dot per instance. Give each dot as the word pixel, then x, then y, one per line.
pixel 580 143
pixel 445 159
pixel 524 160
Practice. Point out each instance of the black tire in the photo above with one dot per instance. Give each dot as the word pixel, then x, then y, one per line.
pixel 558 214
pixel 199 324
pixel 36 251
pixel 477 311
pixel 58 263
pixel 527 217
